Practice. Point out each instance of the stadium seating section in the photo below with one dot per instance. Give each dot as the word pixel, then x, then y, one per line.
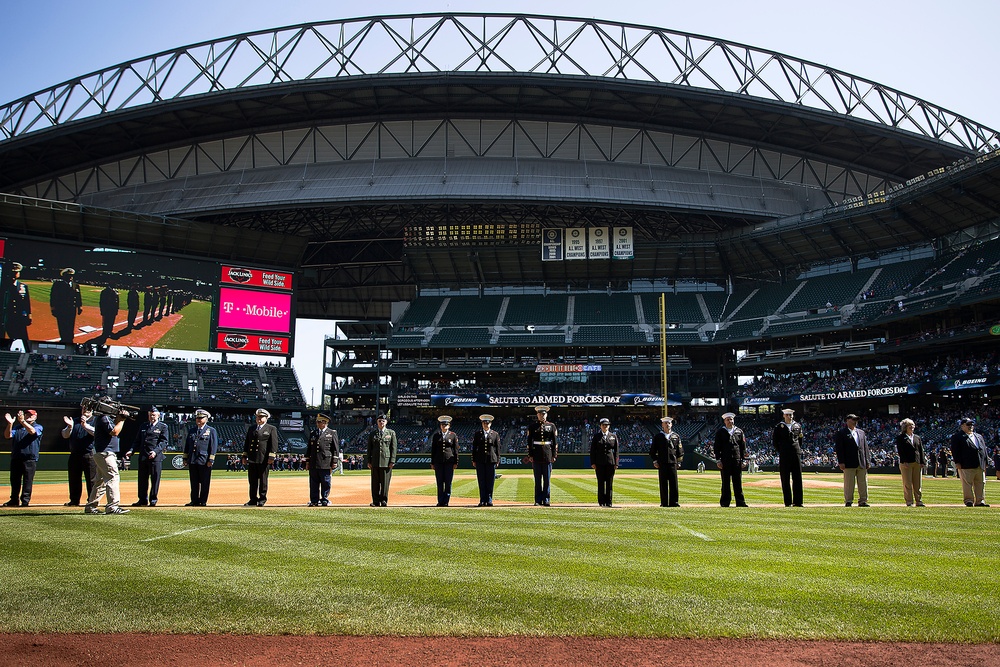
pixel 770 310
pixel 65 379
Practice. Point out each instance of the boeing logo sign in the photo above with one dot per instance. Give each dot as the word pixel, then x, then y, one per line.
pixel 461 400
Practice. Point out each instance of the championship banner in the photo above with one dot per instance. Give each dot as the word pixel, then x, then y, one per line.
pixel 552 245
pixel 623 246
pixel 600 246
pixel 576 243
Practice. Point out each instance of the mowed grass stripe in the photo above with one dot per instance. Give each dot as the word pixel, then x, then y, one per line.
pixel 817 572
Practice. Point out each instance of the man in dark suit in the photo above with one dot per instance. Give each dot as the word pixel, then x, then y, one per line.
pixel 787 439
pixel 260 447
pixel 851 445
pixel 148 304
pixel 604 450
pixel 382 449
pixel 200 448
pixel 26 437
pixel 485 459
pixel 911 462
pixel 968 449
pixel 667 452
pixel 444 459
pixel 66 303
pixel 18 309
pixel 543 449
pixel 109 305
pixel 80 433
pixel 322 454
pixel 132 301
pixel 731 455
pixel 150 441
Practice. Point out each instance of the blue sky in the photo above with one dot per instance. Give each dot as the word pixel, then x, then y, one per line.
pixel 946 53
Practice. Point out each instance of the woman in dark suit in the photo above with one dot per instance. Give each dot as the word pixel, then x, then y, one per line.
pixel 911 462
pixel 604 459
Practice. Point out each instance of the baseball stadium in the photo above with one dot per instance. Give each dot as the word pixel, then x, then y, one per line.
pixel 507 220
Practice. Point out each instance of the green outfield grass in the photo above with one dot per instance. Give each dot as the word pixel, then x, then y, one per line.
pixel 191 332
pixel 882 573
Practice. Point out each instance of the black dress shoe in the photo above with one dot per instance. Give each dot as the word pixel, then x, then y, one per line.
pixel 374 505
pixel 977 504
pixel 152 503
pixel 489 504
pixel 24 504
pixel 250 503
pixel 863 505
pixel 968 504
pixel 324 503
pixel 675 505
pixel 71 504
pixel 742 505
pixel 190 504
pixel 313 505
pixel 797 505
pixel 261 503
pixel 139 503
pixel 11 503
pixel 847 504
pixel 384 504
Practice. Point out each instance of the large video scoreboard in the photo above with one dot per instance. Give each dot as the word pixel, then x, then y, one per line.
pixel 80 294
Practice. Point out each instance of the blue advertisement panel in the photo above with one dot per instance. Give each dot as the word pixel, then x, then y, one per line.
pixel 492 401
pixel 968 382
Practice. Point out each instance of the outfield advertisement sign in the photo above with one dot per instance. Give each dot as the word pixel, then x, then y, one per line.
pixel 969 382
pixel 564 461
pixel 492 401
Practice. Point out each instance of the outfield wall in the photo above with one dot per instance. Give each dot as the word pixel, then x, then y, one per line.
pixel 172 460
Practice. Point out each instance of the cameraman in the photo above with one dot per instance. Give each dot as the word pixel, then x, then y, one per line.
pixel 106 430
pixel 25 439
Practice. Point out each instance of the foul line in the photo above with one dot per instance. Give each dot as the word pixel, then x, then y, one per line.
pixel 695 533
pixel 181 532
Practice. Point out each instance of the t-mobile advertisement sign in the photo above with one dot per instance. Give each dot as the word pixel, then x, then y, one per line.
pixel 255 311
pixel 240 342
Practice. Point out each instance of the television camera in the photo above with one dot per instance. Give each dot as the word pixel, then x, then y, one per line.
pixel 105 406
